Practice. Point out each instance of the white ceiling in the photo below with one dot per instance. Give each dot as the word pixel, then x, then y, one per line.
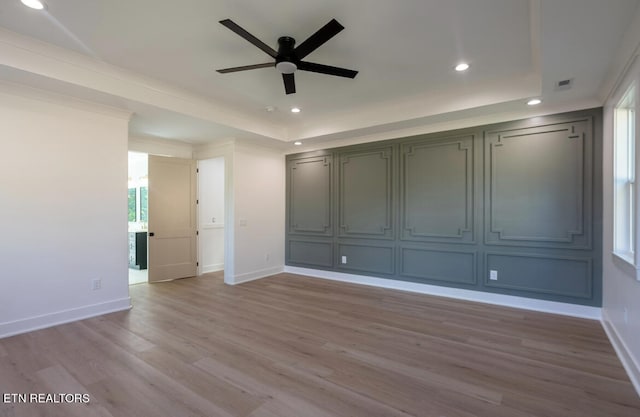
pixel 158 59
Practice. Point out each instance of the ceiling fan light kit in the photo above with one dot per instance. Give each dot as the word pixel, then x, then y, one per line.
pixel 33 4
pixel 288 58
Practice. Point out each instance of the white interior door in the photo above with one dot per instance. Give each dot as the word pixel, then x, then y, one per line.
pixel 172 218
pixel 211 214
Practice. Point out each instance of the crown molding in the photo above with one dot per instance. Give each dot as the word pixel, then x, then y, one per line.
pixel 36 57
pixel 28 92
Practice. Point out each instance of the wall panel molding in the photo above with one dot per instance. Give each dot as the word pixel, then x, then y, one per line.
pixel 310 253
pixel 437 190
pixel 365 193
pixel 369 258
pixel 310 195
pixel 426 264
pixel 539 182
pixel 546 274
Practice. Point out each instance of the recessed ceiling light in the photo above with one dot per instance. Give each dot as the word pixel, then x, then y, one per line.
pixel 297 143
pixel 34 4
pixel 463 66
pixel 534 102
pixel 295 110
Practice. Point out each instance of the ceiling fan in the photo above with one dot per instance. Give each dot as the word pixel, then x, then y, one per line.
pixel 288 58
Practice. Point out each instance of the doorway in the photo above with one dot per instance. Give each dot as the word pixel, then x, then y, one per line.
pixel 138 203
pixel 210 215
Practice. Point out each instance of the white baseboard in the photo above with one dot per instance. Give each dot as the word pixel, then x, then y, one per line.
pixel 252 276
pixel 629 362
pixel 566 309
pixel 62 317
pixel 212 268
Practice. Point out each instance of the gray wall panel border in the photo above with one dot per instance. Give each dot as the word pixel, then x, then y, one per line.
pixel 329 245
pixel 578 238
pixel 347 267
pixel 473 276
pixel 324 226
pixel 383 229
pixel 465 231
pixel 496 284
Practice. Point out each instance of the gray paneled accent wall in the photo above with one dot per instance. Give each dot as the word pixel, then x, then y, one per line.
pixel 511 208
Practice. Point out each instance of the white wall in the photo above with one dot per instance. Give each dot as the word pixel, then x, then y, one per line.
pixel 259 201
pixel 63 209
pixel 621 289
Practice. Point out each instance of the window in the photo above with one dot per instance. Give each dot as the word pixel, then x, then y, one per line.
pixel 625 207
pixel 132 204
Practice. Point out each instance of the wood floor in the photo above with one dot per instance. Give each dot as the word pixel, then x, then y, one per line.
pixel 289 346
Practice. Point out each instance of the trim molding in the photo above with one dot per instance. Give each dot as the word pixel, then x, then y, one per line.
pixel 565 309
pixel 212 268
pixel 61 317
pixel 252 276
pixel 58 99
pixel 624 353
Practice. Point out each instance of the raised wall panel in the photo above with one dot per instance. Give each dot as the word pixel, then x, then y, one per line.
pixel 539 186
pixel 564 276
pixel 438 265
pixel 310 196
pixel 365 205
pixel 366 258
pixel 310 253
pixel 437 190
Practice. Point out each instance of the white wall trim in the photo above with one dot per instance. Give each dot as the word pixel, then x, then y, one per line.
pixel 33 93
pixel 212 268
pixel 625 355
pixel 216 149
pixel 565 309
pixel 254 275
pixel 62 317
pixel 160 147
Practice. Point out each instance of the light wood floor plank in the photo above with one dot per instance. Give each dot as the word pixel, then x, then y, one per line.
pixel 291 346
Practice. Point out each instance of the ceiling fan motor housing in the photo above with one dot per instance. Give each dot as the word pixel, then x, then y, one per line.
pixel 286 59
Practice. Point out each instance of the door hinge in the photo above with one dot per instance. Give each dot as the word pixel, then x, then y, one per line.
pixel 576 134
pixel 197 170
pixel 197 201
pixel 197 232
pixel 197 263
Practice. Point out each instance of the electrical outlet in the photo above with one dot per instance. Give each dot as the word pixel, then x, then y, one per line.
pixel 493 275
pixel 96 284
pixel 344 259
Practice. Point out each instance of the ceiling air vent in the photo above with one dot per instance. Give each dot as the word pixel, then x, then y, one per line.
pixel 564 84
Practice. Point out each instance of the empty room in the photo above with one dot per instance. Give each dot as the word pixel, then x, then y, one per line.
pixel 319 208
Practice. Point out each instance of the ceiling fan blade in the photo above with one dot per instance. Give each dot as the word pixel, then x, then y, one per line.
pixel 326 69
pixel 289 83
pixel 246 35
pixel 246 67
pixel 325 33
